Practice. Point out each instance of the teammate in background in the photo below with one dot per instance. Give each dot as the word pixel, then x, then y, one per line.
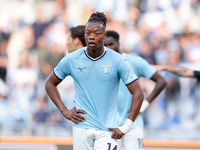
pixel 133 140
pixel 76 39
pixel 179 71
pixel 96 71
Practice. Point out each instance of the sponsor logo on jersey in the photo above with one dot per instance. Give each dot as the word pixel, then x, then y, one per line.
pixel 81 69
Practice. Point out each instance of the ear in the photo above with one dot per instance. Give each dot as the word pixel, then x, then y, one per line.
pixel 104 36
pixel 76 41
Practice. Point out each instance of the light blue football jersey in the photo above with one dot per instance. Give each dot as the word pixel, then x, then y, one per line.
pixel 142 69
pixel 96 84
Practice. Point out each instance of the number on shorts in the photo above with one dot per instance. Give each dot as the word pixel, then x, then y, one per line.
pixel 109 145
pixel 140 143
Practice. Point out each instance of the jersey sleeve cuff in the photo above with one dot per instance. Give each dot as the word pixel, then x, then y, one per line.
pixel 57 76
pixel 131 82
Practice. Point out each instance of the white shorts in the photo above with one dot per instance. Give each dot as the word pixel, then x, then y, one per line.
pixel 133 140
pixel 91 139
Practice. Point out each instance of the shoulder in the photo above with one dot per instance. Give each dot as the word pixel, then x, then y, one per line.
pixel 113 55
pixel 110 51
pixel 135 59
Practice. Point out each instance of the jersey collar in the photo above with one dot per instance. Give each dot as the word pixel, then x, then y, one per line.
pixel 95 59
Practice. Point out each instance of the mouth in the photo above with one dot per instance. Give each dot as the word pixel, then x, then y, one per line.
pixel 91 44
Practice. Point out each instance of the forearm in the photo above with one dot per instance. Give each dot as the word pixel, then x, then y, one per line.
pixel 135 105
pixel 180 71
pixel 134 111
pixel 54 94
pixel 160 85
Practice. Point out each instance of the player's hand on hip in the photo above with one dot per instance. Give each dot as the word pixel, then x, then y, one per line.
pixel 117 134
pixel 74 115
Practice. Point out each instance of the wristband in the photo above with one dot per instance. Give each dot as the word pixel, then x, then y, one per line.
pixel 126 127
pixel 145 105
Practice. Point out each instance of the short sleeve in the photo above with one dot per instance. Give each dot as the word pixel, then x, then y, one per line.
pixel 147 70
pixel 63 68
pixel 126 73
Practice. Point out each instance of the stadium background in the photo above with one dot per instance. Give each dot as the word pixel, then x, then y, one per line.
pixel 33 34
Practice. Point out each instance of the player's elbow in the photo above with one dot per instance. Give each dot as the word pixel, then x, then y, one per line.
pixel 140 95
pixel 47 85
pixel 163 83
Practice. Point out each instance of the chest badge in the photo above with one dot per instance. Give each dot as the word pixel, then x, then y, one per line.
pixel 105 68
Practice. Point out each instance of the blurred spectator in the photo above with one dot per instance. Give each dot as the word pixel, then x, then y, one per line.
pixel 172 95
pixel 4 38
pixel 132 38
pixel 39 25
pixel 48 59
pixel 162 53
pixel 24 13
pixel 41 115
pixel 192 52
pixel 22 81
pixel 42 52
pixel 146 52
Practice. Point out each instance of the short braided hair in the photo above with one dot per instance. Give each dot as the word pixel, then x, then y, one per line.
pixel 99 17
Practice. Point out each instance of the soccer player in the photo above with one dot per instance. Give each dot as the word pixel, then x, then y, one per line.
pixel 76 39
pixel 133 140
pixel 96 71
pixel 179 71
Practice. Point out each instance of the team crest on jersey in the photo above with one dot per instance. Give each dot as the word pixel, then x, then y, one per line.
pixel 105 68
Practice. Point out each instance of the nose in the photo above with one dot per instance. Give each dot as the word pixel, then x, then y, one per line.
pixel 91 36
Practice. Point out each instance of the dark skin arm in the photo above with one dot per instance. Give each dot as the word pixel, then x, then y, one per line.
pixel 52 91
pixel 160 85
pixel 137 98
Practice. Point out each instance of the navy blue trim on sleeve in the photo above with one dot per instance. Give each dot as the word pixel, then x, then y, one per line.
pixel 57 76
pixel 131 82
pixel 197 74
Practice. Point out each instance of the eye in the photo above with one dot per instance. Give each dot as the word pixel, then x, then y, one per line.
pixel 97 33
pixel 87 33
pixel 110 44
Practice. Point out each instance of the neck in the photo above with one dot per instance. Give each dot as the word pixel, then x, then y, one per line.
pixel 119 51
pixel 94 53
pixel 79 46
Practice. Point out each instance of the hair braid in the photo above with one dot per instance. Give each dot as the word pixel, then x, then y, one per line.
pixel 98 17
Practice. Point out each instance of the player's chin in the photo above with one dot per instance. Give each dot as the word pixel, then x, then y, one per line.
pixel 92 47
pixel 69 50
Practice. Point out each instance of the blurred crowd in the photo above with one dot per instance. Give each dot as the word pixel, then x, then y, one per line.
pixel 32 41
